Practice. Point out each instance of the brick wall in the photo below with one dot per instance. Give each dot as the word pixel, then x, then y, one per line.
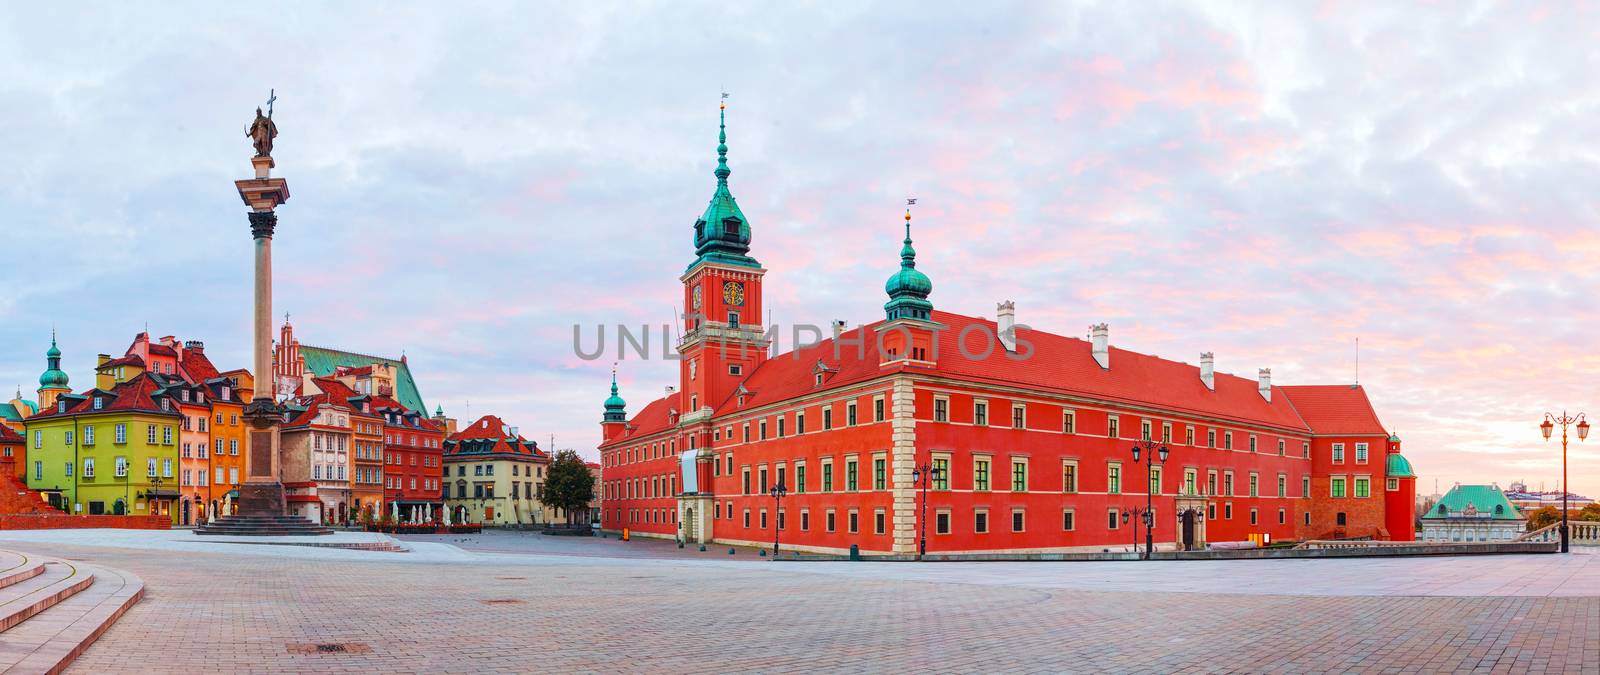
pixel 62 521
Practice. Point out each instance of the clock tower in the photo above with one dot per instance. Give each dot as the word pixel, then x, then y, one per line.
pixel 723 339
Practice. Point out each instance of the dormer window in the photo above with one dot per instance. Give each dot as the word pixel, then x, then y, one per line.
pixel 225 394
pixel 166 404
pixel 98 403
pixel 185 395
pixel 61 406
pixel 819 379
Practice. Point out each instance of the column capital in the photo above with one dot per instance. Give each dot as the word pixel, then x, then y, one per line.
pixel 262 223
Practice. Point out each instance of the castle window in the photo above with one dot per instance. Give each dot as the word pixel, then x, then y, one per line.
pixel 733 319
pixel 735 369
pixel 941 409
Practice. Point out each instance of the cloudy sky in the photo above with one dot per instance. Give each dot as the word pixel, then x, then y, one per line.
pixel 1269 182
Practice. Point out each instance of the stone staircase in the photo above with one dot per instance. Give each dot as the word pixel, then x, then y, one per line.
pixel 262 526
pixel 52 609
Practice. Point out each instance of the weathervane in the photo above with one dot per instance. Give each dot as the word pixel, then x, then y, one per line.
pixel 911 201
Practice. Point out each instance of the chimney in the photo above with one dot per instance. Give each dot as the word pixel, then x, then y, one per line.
pixel 1006 324
pixel 1264 383
pixel 1100 335
pixel 101 359
pixel 671 391
pixel 838 328
pixel 1208 370
pixel 169 340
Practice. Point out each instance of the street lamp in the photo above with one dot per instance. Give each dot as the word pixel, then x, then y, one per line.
pixel 1548 427
pixel 1154 453
pixel 1135 514
pixel 778 492
pixel 920 477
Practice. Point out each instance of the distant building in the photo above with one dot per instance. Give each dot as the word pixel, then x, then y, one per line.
pixel 1529 500
pixel 1472 513
pixel 494 476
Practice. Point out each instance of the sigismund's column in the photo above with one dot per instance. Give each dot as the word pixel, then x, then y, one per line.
pixel 262 491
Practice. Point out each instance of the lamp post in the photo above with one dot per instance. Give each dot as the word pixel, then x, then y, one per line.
pixel 778 492
pixel 1153 453
pixel 1134 515
pixel 920 477
pixel 1548 427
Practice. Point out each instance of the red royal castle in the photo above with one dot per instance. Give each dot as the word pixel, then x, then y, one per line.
pixel 1029 434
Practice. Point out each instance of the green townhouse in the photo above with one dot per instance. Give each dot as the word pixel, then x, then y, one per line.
pixel 108 451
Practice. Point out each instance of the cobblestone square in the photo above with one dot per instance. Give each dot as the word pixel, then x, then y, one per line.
pixel 515 602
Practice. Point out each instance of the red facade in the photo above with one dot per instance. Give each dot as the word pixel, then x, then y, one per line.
pixel 413 459
pixel 1032 440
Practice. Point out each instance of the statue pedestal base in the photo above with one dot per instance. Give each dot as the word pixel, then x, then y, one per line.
pixel 262 499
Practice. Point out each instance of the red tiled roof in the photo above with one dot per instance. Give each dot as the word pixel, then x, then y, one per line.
pixel 1058 364
pixel 161 349
pixel 133 395
pixel 196 367
pixel 492 428
pixel 1335 409
pixel 9 435
pixel 129 360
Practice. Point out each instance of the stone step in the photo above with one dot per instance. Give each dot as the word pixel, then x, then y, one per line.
pixel 22 600
pixel 16 568
pixel 52 639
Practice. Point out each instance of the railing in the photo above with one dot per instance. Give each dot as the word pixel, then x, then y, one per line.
pixel 1582 533
pixel 1551 532
pixel 1350 543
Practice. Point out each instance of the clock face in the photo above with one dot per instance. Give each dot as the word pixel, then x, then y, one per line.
pixel 697 297
pixel 733 293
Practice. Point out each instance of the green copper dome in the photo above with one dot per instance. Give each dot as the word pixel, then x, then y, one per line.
pixel 722 234
pixel 53 377
pixel 1399 467
pixel 908 288
pixel 616 408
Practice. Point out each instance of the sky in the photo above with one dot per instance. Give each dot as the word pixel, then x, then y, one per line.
pixel 1266 181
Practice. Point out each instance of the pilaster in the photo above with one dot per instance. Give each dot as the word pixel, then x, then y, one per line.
pixel 902 461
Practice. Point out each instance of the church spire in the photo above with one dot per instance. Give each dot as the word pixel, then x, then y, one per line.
pixel 722 234
pixel 908 288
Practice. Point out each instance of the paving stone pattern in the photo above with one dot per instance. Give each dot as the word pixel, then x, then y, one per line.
pixel 585 608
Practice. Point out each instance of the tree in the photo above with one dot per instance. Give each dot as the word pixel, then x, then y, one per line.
pixel 1589 512
pixel 568 484
pixel 1543 517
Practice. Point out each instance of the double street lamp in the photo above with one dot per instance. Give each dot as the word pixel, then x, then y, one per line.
pixel 1547 428
pixel 1153 453
pixel 920 477
pixel 1135 515
pixel 778 492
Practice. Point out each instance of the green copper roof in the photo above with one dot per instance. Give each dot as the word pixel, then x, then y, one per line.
pixel 53 377
pixel 1399 467
pixel 616 408
pixel 1483 499
pixel 908 288
pixel 9 413
pixel 722 234
pixel 438 411
pixel 323 362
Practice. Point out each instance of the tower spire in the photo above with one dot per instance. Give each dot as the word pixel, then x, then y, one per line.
pixel 722 234
pixel 908 288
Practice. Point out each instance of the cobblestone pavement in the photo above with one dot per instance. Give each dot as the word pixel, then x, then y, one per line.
pixel 560 610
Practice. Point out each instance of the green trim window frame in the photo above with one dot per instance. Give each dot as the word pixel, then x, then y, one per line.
pixel 878 407
pixel 827 417
pixel 880 473
pixel 1255 484
pixel 980 474
pixel 1113 478
pixel 827 477
pixel 800 480
pixel 941 479
pixel 1283 485
pixel 1338 453
pixel 850 413
pixel 980 413
pixel 1363 487
pixel 852 471
pixel 1336 486
pixel 1361 453
pixel 1019 475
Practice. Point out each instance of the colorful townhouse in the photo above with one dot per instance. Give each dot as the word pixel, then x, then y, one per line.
pixel 1024 440
pixel 108 450
pixel 413 468
pixel 227 429
pixel 315 447
pixel 494 476
pixel 13 451
pixel 365 485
